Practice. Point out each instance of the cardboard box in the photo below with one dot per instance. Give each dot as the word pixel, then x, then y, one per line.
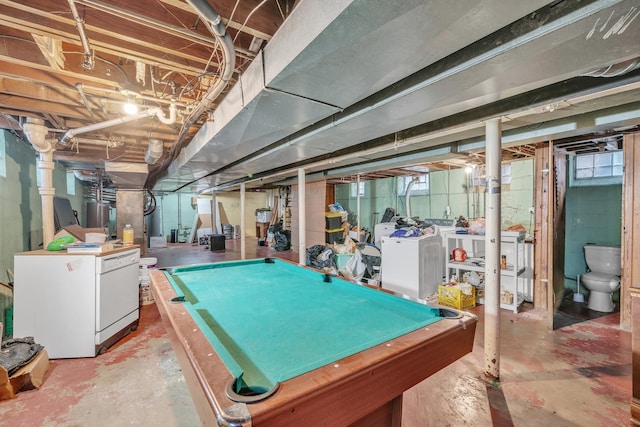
pixel 77 232
pixel 28 377
pixel 453 297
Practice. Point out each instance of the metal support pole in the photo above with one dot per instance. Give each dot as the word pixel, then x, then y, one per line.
pixel 302 215
pixel 493 132
pixel 243 222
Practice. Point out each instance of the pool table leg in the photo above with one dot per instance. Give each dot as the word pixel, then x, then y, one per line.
pixel 387 415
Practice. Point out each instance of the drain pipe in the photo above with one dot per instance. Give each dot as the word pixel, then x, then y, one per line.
pixel 156 111
pixel 35 131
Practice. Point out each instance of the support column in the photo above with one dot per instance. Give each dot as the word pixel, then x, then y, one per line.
pixel 214 214
pixel 493 130
pixel 302 215
pixel 357 209
pixel 243 222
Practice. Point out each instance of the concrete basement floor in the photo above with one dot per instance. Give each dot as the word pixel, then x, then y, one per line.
pixel 579 375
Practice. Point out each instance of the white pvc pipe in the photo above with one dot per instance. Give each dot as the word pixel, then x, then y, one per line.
pixel 302 215
pixel 493 131
pixel 46 190
pixel 109 123
pixel 36 133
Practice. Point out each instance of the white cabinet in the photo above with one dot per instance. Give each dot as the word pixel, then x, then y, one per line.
pixel 512 248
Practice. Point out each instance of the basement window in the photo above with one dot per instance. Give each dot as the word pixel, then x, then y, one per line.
pixel 602 168
pixel 71 183
pixel 420 188
pixel 357 190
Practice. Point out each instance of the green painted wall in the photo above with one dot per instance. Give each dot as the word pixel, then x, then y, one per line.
pixel 593 215
pixel 20 205
pixel 447 188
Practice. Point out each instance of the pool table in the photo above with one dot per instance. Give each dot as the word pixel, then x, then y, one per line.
pixel 266 342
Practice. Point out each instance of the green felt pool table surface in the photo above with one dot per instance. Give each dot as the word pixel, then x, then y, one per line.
pixel 273 325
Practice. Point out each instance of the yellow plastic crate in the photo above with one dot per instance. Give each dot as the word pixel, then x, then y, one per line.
pixel 452 297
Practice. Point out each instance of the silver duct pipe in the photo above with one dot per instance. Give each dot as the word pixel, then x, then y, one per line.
pixel 87 62
pixel 156 111
pixel 408 195
pixel 154 151
pixel 214 22
pixel 85 176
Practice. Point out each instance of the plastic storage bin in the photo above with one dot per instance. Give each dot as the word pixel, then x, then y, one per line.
pixel 453 297
pixel 333 236
pixel 263 215
pixel 333 220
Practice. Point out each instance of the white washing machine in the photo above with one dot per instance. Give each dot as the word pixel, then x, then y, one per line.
pixel 412 266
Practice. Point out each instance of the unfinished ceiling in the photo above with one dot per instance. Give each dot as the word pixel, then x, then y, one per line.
pixel 77 63
pixel 337 88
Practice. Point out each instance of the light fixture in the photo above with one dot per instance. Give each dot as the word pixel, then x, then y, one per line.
pixel 468 168
pixel 130 107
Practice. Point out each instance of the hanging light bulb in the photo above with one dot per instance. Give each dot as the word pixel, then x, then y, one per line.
pixel 130 107
pixel 468 168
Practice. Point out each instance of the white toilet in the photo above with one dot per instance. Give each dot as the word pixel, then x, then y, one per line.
pixel 604 275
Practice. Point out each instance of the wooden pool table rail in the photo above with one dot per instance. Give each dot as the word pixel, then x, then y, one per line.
pixel 363 389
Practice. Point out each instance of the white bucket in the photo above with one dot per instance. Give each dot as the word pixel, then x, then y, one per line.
pixel 146 264
pixel 146 296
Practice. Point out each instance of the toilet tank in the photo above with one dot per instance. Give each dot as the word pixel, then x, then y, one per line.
pixel 603 259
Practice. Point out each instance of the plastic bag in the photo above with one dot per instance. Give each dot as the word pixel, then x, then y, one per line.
pixel 477 226
pixel 320 257
pixel 355 268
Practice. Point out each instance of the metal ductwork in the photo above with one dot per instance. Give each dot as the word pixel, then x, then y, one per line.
pixel 154 151
pixel 214 22
pixel 298 100
pixel 127 176
pixel 615 70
